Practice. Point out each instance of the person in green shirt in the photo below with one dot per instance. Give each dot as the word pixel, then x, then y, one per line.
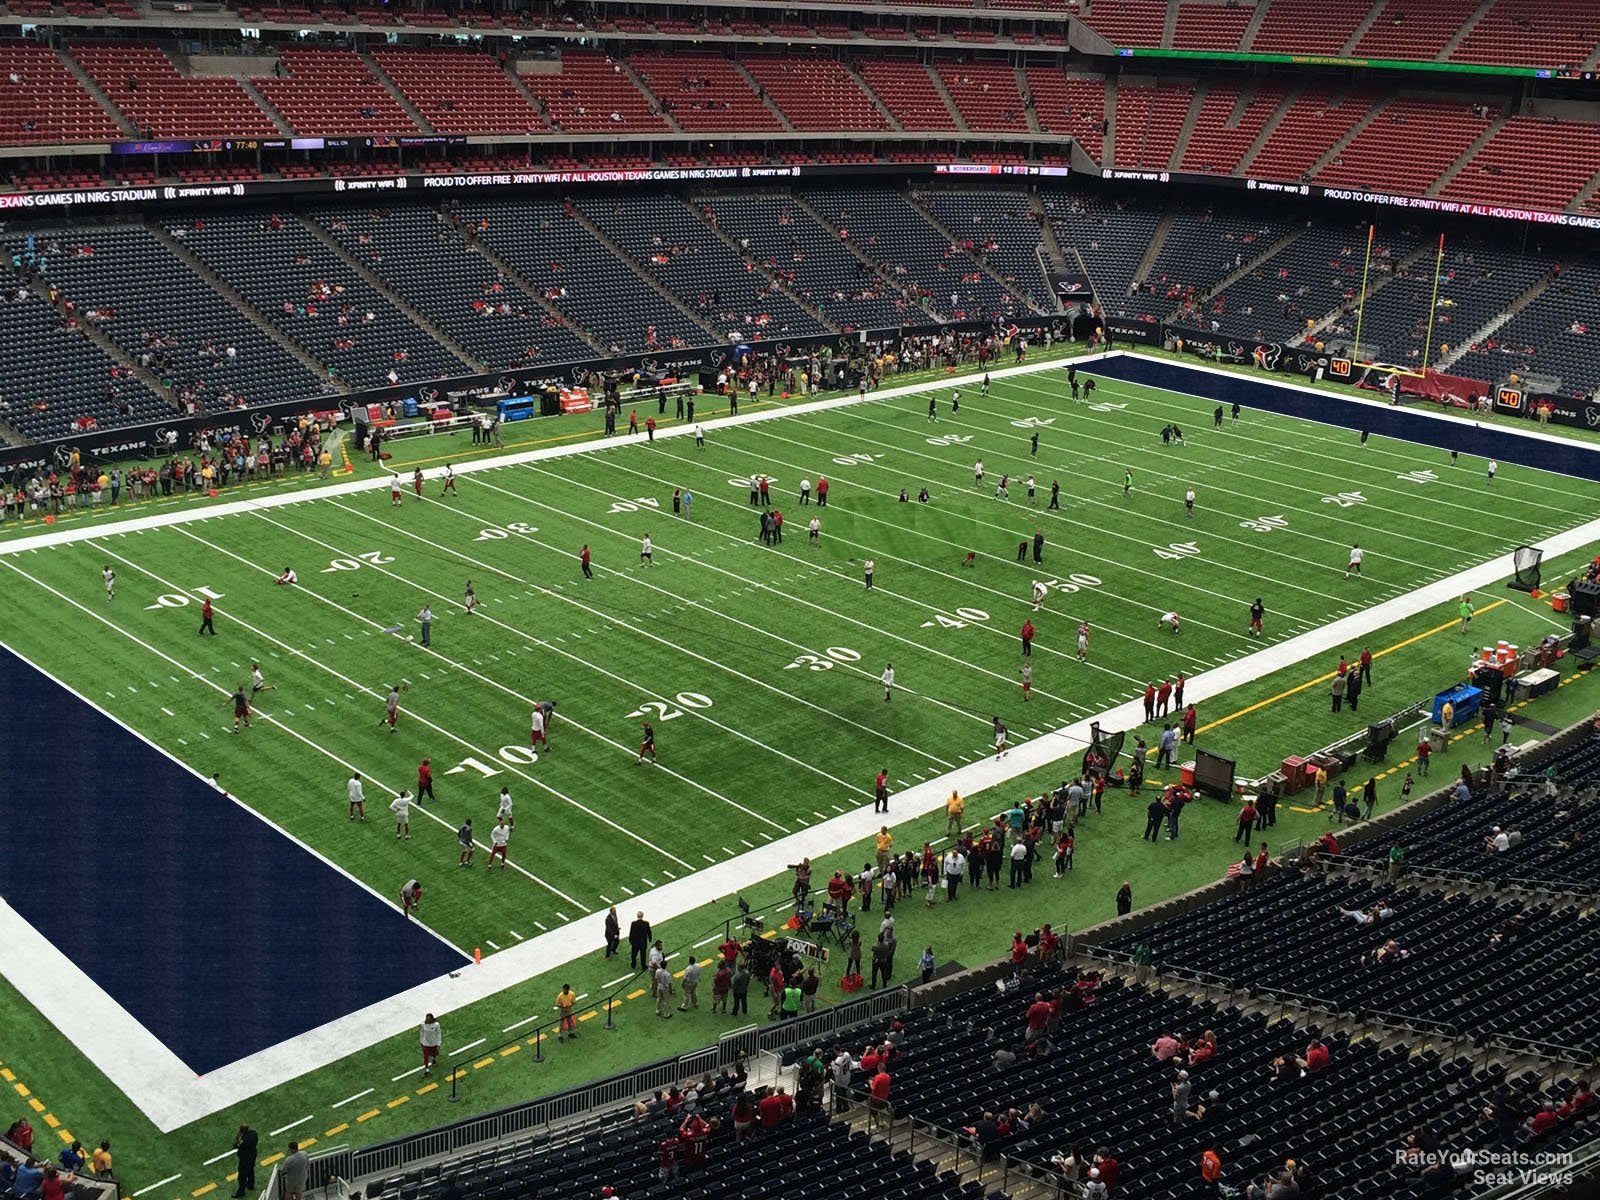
pixel 1141 961
pixel 1127 482
pixel 792 999
pixel 1464 611
pixel 1397 862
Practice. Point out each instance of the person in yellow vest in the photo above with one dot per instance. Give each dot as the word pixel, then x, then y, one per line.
pixel 1447 715
pixel 885 847
pixel 566 1000
pixel 953 808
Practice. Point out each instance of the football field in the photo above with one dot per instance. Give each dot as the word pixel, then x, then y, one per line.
pixel 759 665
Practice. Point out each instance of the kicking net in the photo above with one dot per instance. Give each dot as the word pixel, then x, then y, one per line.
pixel 1526 560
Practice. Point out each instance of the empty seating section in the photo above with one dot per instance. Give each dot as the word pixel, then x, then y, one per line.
pixel 165 317
pixel 1530 162
pixel 1405 147
pixel 459 91
pixel 893 234
pixel 51 375
pixel 1554 336
pixel 1411 29
pixel 669 242
pixel 1101 1089
pixel 597 291
pixel 1313 123
pixel 299 284
pixel 1148 123
pixel 1128 22
pixel 143 83
pixel 782 236
pixel 1201 249
pixel 1211 26
pixel 1533 33
pixel 1111 236
pixel 330 92
pixel 1000 224
pixel 586 90
pixel 1476 283
pixel 1226 126
pixel 986 95
pixel 704 92
pixel 46 103
pixel 814 93
pixel 426 261
pixel 1450 971
pixel 1306 280
pixel 622 1154
pixel 1308 26
pixel 1557 840
pixel 907 91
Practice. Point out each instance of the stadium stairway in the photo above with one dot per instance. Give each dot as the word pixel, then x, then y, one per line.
pixel 853 69
pixel 759 268
pixel 1029 113
pixel 1585 199
pixel 1270 128
pixel 1488 330
pixel 492 256
pixel 1254 27
pixel 1153 251
pixel 1108 143
pixel 949 235
pixel 771 105
pixel 378 284
pixel 249 88
pixel 1202 89
pixel 1338 147
pixel 1463 30
pixel 1467 155
pixel 399 97
pixel 644 90
pixel 1249 266
pixel 811 211
pixel 622 256
pixel 124 122
pixel 1360 31
pixel 1374 286
pixel 236 298
pixel 91 332
pixel 1047 231
pixel 949 101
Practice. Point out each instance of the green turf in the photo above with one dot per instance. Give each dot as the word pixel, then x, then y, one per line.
pixel 757 664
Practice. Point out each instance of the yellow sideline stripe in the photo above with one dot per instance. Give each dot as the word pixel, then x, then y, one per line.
pixel 1311 683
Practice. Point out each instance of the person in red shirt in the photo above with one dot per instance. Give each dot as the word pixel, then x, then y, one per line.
pixel 839 891
pixel 667 1150
pixel 1366 665
pixel 878 1105
pixel 730 950
pixel 1579 1100
pixel 822 491
pixel 1316 1056
pixel 1329 843
pixel 695 1132
pixel 764 488
pixel 1246 825
pixel 1163 697
pixel 1149 703
pixel 1188 723
pixel 1038 1016
pixel 1019 953
pixel 1110 1169
pixel 1262 858
pixel 1049 945
pixel 1027 638
pixel 633 421
pixel 583 557
pixel 775 1108
pixel 424 781
pixel 205 618
pixel 880 799
pixel 650 428
pixel 1546 1119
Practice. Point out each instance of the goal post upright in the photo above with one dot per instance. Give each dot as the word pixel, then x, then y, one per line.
pixel 1361 309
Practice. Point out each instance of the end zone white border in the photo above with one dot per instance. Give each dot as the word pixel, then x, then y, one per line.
pixel 172 1096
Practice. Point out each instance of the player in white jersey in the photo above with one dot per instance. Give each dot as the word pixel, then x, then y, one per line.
pixel 1039 593
pixel 470 600
pixel 400 806
pixel 1083 641
pixel 498 837
pixel 504 813
pixel 887 679
pixel 1169 619
pixel 258 682
pixel 536 736
pixel 1356 555
pixel 394 490
pixel 356 796
pixel 449 479
pixel 110 577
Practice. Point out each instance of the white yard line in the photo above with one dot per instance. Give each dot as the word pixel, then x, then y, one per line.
pixel 170 1094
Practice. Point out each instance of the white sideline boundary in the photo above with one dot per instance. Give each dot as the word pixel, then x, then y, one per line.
pixel 171 1095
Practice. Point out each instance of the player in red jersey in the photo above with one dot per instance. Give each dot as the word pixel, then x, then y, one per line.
pixel 416 482
pixel 648 744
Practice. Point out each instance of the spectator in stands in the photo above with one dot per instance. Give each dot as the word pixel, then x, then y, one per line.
pixel 1180 1096
pixel 1165 1047
pixel 21 1135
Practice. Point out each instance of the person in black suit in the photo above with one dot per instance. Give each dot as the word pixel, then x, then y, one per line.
pixel 639 942
pixel 244 1144
pixel 613 932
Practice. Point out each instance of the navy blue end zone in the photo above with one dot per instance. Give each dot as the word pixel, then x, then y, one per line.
pixel 215 930
pixel 1464 435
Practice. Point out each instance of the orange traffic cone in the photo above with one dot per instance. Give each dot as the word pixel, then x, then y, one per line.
pixel 477 955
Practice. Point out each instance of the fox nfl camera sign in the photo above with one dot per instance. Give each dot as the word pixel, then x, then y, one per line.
pixel 806 949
